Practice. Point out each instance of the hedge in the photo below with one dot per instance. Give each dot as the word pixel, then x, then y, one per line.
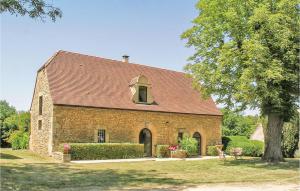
pixel 162 151
pixel 252 148
pixel 212 151
pixel 98 151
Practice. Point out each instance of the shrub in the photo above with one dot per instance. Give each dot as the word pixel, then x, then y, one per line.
pixel 162 151
pixel 252 148
pixel 94 151
pixel 189 144
pixel 212 151
pixel 290 137
pixel 297 154
pixel 226 140
pixel 19 139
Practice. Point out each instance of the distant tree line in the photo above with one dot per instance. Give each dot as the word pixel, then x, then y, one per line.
pixel 14 126
pixel 236 124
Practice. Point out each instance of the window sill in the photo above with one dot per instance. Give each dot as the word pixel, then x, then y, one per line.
pixel 143 103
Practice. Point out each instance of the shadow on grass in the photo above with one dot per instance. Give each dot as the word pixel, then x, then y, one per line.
pixel 8 156
pixel 290 164
pixel 46 176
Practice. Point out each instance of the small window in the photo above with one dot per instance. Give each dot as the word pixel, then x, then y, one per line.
pixel 101 136
pixel 40 125
pixel 180 136
pixel 40 105
pixel 142 94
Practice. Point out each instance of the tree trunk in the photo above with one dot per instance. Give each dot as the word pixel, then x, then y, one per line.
pixel 272 136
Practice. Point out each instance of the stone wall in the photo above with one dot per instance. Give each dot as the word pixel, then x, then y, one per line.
pixel 61 124
pixel 81 124
pixel 41 140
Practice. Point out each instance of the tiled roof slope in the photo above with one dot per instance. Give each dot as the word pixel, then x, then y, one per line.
pixel 82 80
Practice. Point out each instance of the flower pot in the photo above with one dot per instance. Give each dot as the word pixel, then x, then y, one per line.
pixel 179 154
pixel 66 157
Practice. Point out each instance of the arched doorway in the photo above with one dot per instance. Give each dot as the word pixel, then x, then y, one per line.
pixel 146 139
pixel 197 136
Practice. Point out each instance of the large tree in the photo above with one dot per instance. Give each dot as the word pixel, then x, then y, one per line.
pixel 246 54
pixel 32 8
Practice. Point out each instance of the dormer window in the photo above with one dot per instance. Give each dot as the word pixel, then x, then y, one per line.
pixel 141 90
pixel 143 94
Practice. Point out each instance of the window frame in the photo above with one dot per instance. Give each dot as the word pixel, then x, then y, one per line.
pixel 146 94
pixel 101 132
pixel 40 105
pixel 40 124
pixel 179 136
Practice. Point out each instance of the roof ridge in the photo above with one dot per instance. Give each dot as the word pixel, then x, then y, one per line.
pixel 49 60
pixel 109 59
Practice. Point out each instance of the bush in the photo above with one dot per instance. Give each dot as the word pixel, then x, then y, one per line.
pixel 212 151
pixel 189 144
pixel 97 151
pixel 252 148
pixel 290 137
pixel 19 139
pixel 297 154
pixel 162 151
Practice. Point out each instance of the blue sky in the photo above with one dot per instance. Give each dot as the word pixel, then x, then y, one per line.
pixel 148 31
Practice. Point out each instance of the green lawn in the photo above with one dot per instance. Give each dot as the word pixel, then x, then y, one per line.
pixel 23 170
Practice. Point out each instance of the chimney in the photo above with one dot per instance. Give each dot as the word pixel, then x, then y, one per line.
pixel 125 58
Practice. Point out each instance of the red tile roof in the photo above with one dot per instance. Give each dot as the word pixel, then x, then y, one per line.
pixel 82 80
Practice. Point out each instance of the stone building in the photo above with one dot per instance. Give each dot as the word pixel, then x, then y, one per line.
pixel 80 98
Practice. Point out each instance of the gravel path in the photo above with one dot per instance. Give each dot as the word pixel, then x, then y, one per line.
pixel 247 187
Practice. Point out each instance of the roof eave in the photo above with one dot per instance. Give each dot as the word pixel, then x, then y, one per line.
pixel 70 105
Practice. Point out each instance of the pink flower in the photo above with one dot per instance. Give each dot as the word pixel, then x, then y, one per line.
pixel 66 148
pixel 173 148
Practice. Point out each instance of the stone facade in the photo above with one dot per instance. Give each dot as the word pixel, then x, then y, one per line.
pixel 80 124
pixel 41 139
pixel 63 124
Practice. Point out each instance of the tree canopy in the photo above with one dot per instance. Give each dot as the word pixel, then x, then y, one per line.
pixel 5 111
pixel 32 8
pixel 235 124
pixel 247 55
pixel 247 52
pixel 11 120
